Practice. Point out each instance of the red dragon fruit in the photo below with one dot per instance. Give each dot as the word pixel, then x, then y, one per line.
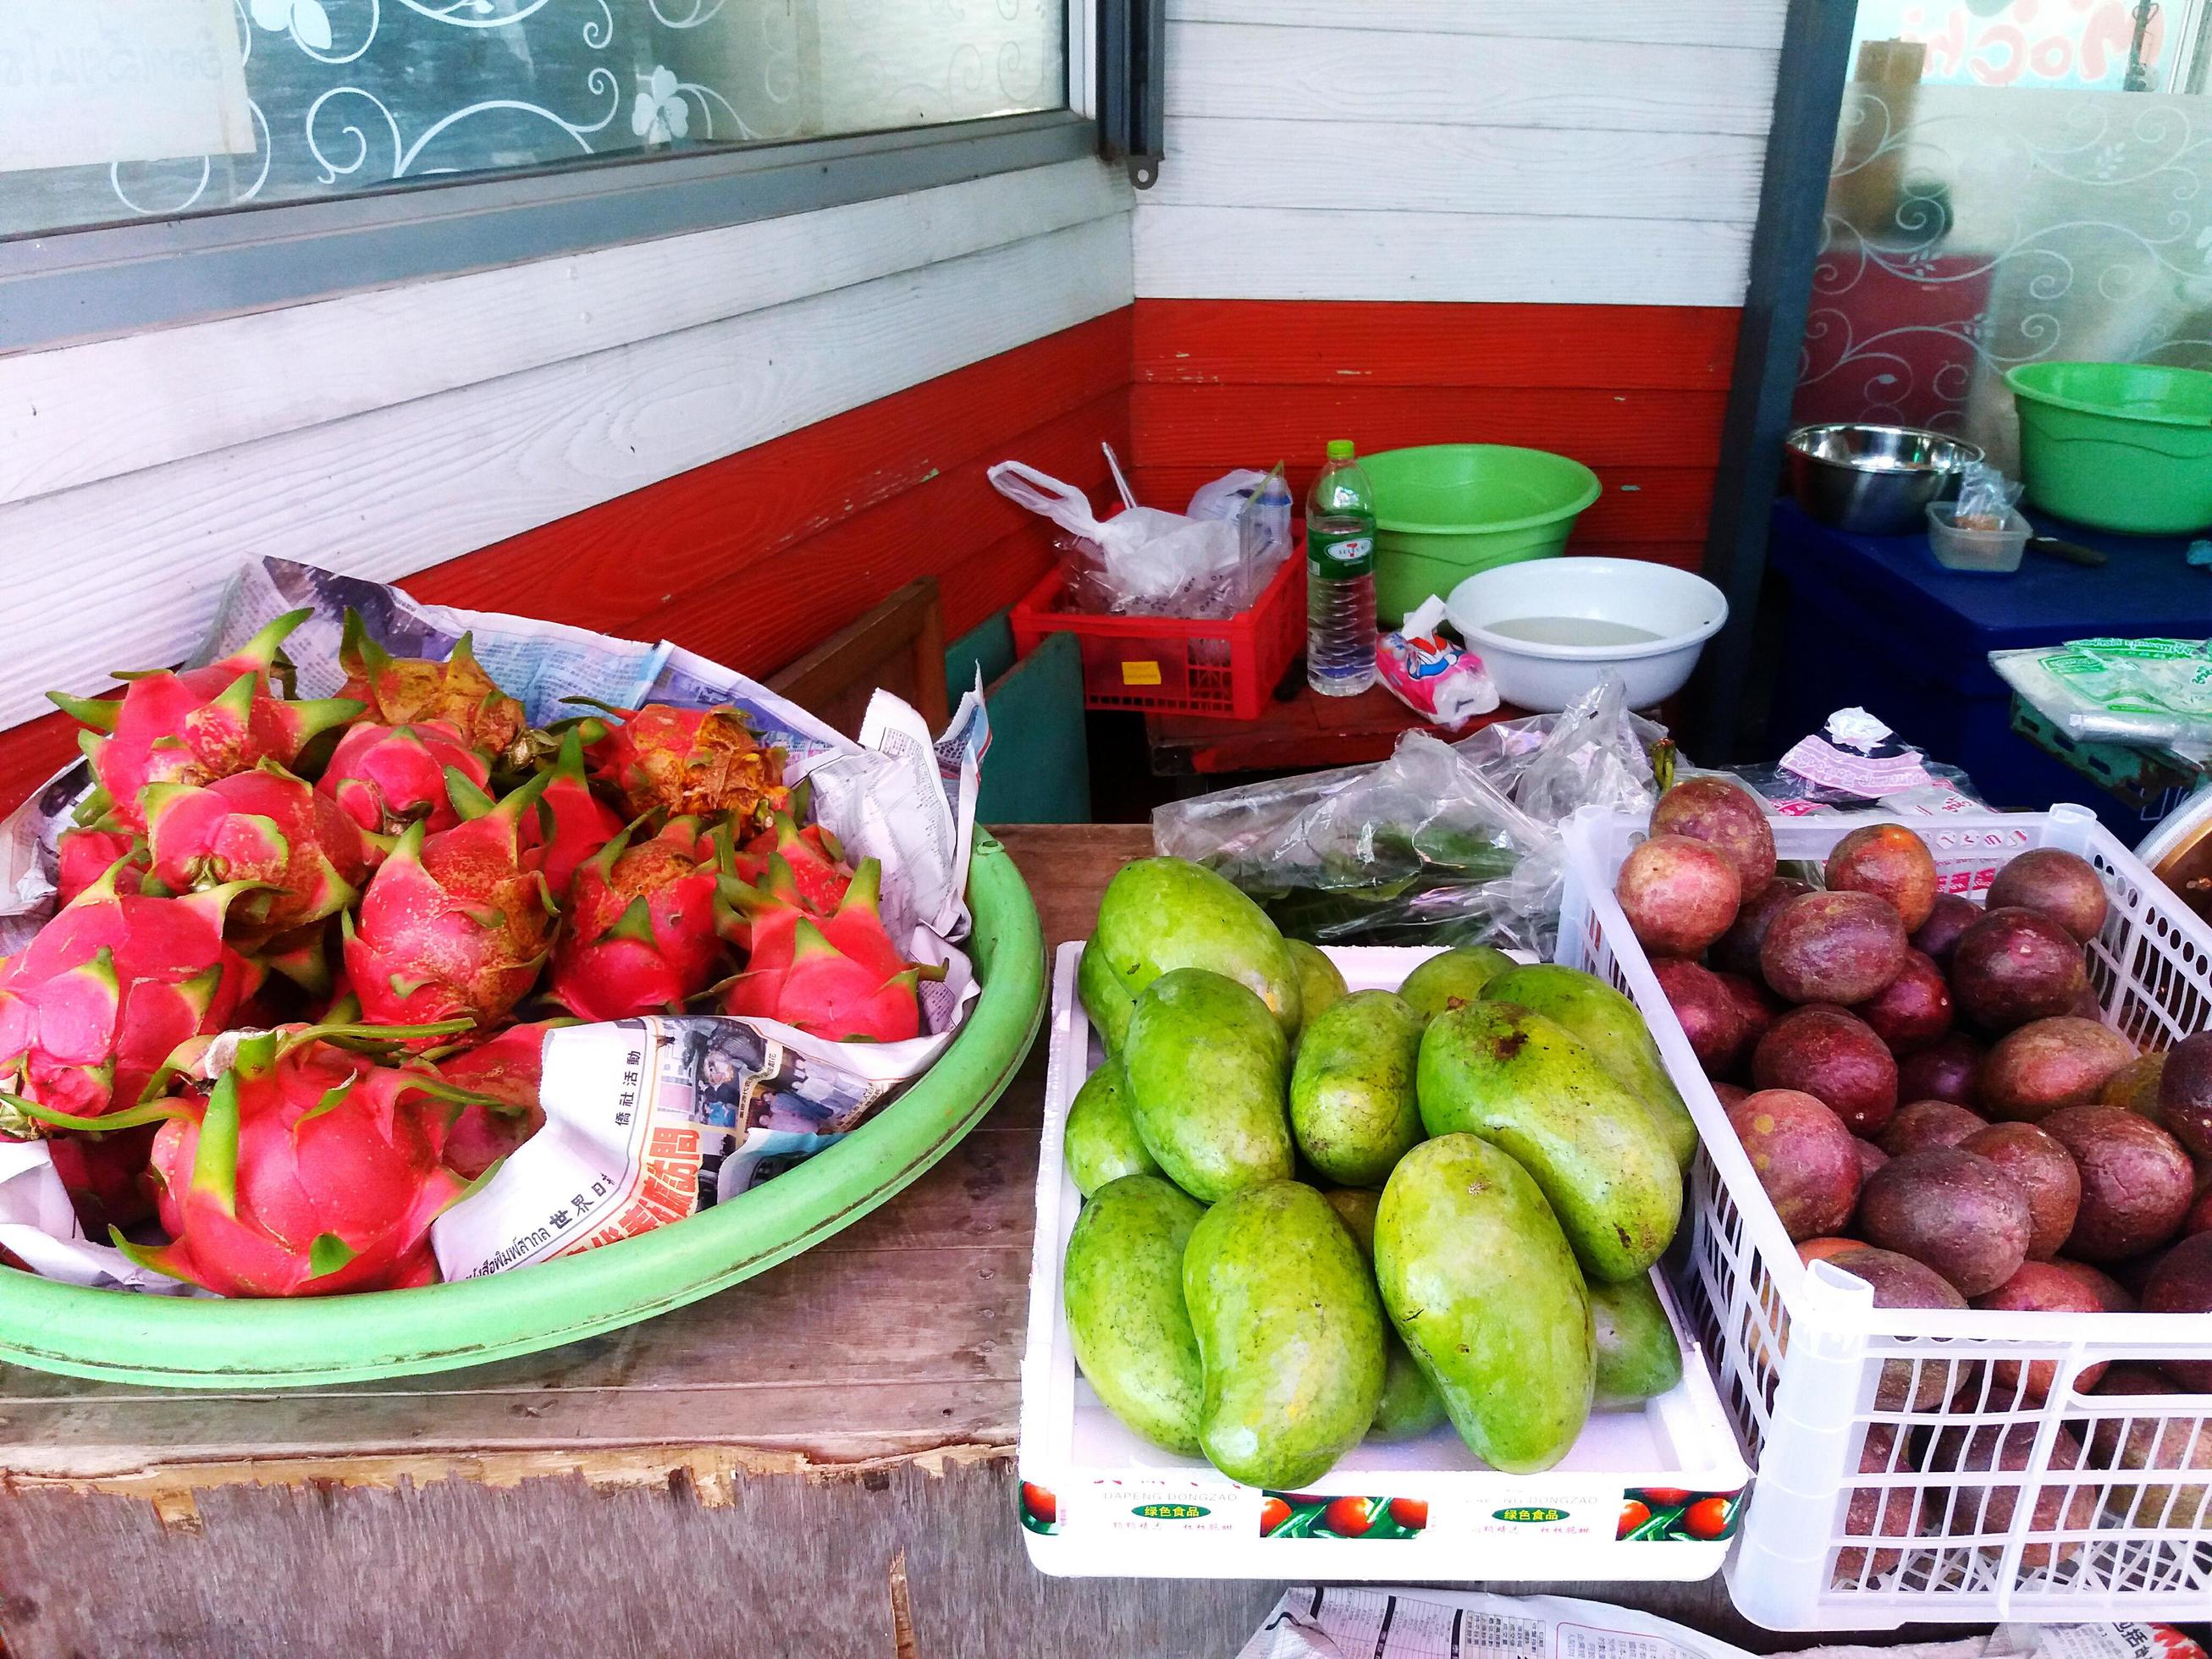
pixel 306 858
pixel 306 1170
pixel 452 925
pixel 813 856
pixel 85 855
pixel 196 725
pixel 106 1177
pixel 410 691
pixel 506 1069
pixel 387 777
pixel 837 976
pixel 750 862
pixel 693 763
pixel 826 993
pixel 95 1004
pixel 571 823
pixel 641 935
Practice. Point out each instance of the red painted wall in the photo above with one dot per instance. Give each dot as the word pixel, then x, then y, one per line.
pixel 1635 392
pixel 753 558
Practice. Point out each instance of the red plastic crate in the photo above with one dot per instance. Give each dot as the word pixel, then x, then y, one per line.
pixel 1228 667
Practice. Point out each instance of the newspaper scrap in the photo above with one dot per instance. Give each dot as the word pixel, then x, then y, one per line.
pixel 39 1227
pixel 1431 1623
pixel 741 1100
pixel 1314 1623
pixel 650 1121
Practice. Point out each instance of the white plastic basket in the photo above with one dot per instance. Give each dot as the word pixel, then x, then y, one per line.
pixel 1799 1353
pixel 1097 1500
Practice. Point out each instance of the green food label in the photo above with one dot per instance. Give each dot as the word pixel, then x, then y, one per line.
pixel 1339 555
pixel 1539 1516
pixel 1170 1511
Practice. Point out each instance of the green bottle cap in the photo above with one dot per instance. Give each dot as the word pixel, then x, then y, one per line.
pixel 1340 449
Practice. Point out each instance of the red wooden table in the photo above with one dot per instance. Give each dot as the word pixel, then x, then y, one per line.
pixel 1304 733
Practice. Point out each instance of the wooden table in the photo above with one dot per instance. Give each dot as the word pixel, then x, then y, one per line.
pixel 819 1462
pixel 1304 732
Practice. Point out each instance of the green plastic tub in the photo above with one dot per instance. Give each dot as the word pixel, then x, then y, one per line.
pixel 174 1342
pixel 1446 511
pixel 2124 446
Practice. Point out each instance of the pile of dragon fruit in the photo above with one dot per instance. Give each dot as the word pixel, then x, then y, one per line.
pixel 293 1000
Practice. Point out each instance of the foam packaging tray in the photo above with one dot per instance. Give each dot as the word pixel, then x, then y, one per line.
pixel 1096 1500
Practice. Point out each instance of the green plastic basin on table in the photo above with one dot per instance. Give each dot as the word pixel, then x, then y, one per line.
pixel 1443 512
pixel 2124 446
pixel 197 1343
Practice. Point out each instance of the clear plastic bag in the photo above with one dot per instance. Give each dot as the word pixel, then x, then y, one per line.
pixel 1986 498
pixel 1141 561
pixel 1419 850
pixel 1441 844
pixel 1596 751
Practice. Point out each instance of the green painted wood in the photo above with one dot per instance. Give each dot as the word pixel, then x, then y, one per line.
pixel 1038 769
pixel 122 1336
pixel 987 649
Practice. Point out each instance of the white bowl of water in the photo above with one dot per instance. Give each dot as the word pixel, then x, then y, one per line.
pixel 1549 629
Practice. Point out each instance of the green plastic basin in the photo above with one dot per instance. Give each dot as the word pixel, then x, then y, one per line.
pixel 2124 446
pixel 1443 512
pixel 174 1342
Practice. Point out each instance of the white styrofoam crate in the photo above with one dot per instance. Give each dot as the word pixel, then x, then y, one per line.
pixel 1119 1506
pixel 1798 1352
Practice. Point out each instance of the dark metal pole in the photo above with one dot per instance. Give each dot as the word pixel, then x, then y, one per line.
pixel 1816 48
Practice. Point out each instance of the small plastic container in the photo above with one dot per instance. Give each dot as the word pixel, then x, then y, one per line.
pixel 1989 552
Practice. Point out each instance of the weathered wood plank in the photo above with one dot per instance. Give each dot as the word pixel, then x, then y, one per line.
pixel 1347 73
pixel 1448 166
pixel 1268 343
pixel 1312 253
pixel 1679 22
pixel 127 570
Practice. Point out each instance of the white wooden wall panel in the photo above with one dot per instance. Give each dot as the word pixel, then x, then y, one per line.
pixel 1662 22
pixel 1431 168
pixel 1607 152
pixel 1273 253
pixel 83 413
pixel 124 573
pixel 1351 75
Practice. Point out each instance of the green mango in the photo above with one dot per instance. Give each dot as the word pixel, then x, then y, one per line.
pixel 1206 1067
pixel 1482 1287
pixel 1158 914
pixel 1410 1407
pixel 1104 998
pixel 1355 1207
pixel 1122 1287
pixel 1289 1334
pixel 1352 1109
pixel 1638 1357
pixel 1453 979
pixel 1527 1084
pixel 1101 1143
pixel 1611 1028
pixel 1320 984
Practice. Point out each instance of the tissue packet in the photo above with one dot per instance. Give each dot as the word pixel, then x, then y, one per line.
pixel 1437 679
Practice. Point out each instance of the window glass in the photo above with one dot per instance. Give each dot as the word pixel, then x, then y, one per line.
pixel 124 109
pixel 2016 181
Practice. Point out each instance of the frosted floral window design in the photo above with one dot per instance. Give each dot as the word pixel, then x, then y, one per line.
pixel 1974 228
pixel 350 96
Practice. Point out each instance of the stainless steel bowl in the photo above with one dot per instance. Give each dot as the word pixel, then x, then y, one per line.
pixel 1874 480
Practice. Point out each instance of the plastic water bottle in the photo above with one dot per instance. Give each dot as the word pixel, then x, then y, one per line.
pixel 1340 577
